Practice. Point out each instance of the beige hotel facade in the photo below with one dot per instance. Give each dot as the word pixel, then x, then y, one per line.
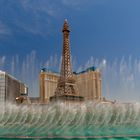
pixel 88 84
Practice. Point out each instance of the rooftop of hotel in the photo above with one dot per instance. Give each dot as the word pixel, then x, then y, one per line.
pixel 93 68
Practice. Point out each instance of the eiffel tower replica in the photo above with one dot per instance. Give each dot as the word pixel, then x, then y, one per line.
pixel 66 87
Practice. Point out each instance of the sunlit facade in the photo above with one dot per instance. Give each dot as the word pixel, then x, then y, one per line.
pixel 48 83
pixel 89 84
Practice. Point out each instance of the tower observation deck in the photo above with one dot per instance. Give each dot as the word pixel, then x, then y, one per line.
pixel 66 86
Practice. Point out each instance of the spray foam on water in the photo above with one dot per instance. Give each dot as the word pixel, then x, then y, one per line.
pixel 87 119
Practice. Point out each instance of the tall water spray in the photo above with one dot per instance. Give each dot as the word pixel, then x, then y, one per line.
pixel 120 78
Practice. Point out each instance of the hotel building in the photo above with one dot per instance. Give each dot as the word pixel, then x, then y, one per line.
pixel 88 84
pixel 11 88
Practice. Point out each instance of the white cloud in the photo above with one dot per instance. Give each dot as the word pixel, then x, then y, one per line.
pixel 78 4
pixel 36 16
pixel 48 7
pixel 41 13
pixel 73 2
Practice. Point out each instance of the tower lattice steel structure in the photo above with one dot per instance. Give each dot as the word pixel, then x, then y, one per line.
pixel 66 87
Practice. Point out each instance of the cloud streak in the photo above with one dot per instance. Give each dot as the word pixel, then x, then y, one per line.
pixel 38 16
pixel 79 4
pixel 45 6
pixel 35 16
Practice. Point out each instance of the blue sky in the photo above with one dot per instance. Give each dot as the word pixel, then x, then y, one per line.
pixel 30 32
pixel 99 28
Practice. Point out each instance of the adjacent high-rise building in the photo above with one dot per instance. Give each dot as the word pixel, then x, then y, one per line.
pixel 11 88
